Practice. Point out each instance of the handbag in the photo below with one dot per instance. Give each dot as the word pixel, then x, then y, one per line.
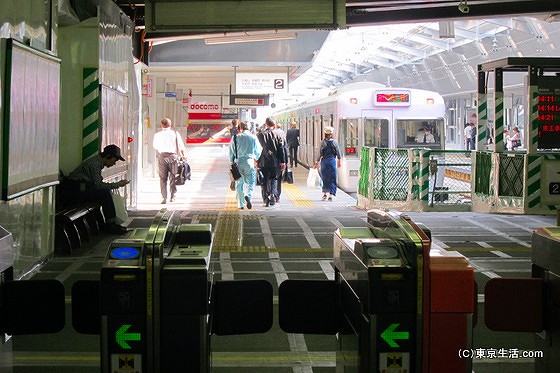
pixel 260 177
pixel 288 176
pixel 234 168
pixel 235 173
pixel 183 172
pixel 121 215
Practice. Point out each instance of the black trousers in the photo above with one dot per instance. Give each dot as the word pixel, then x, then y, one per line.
pixel 71 190
pixel 269 188
pixel 292 151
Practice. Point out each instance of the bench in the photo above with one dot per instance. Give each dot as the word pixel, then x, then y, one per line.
pixel 76 225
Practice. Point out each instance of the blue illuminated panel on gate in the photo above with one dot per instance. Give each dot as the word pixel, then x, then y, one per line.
pixel 125 253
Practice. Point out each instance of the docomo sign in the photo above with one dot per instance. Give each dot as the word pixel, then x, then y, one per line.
pixel 195 106
pixel 204 104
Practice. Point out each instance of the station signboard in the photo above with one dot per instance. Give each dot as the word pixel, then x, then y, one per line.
pixel 248 100
pixel 261 83
pixel 549 112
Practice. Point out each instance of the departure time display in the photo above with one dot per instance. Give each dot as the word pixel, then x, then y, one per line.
pixel 548 112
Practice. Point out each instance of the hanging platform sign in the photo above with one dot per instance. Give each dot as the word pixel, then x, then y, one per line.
pixel 249 100
pixel 261 83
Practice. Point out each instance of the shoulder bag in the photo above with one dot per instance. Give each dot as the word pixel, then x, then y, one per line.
pixel 234 169
pixel 183 169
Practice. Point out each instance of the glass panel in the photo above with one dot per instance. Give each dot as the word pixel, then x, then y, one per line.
pixel 413 133
pixel 376 133
pixel 348 137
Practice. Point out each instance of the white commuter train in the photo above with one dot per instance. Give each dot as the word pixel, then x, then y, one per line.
pixel 367 114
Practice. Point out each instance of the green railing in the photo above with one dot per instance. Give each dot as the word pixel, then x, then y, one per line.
pixel 483 172
pixel 363 182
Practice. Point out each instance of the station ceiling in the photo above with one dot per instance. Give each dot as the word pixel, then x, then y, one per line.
pixel 430 44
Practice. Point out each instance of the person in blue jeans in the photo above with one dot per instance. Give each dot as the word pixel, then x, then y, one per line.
pixel 329 157
pixel 245 150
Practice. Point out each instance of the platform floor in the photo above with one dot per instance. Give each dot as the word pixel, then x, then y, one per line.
pixel 289 241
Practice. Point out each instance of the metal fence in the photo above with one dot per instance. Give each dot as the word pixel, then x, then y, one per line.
pixel 391 175
pixel 510 182
pixel 450 177
pixel 433 177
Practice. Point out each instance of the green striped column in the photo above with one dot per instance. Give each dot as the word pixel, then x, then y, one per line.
pixel 414 154
pixel 499 121
pixel 90 113
pixel 533 182
pixel 424 176
pixel 533 140
pixel 482 118
pixel 363 183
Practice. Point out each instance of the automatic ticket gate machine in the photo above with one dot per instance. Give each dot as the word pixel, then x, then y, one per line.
pixel 184 335
pixel 531 304
pixel 155 295
pixel 129 297
pixel 390 297
pixel 379 270
pixel 160 303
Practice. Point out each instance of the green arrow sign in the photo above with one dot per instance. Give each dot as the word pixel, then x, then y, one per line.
pixel 122 337
pixel 389 335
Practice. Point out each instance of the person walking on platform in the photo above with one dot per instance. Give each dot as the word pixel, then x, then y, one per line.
pixel 473 136
pixel 245 150
pixel 515 139
pixel 329 157
pixel 467 131
pixel 272 159
pixel 85 184
pixel 281 172
pixel 292 138
pixel 169 145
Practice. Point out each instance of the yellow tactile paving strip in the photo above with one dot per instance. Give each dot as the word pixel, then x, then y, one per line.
pixel 228 230
pixel 296 195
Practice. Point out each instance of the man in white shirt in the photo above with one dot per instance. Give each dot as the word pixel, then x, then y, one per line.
pixel 169 145
pixel 468 135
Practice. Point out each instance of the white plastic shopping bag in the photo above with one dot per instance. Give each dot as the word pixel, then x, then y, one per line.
pixel 313 179
pixel 121 215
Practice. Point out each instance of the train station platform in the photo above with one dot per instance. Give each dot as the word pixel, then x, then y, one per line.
pixel 292 240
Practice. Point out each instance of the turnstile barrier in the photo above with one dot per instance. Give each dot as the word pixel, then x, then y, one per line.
pixel 387 307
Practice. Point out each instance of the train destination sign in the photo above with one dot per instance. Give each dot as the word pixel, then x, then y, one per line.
pixel 392 98
pixel 548 111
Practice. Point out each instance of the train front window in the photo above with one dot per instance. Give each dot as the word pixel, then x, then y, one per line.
pixel 420 133
pixel 348 137
pixel 376 133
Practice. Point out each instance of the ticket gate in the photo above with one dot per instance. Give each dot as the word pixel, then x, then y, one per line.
pixel 531 304
pixel 159 303
pixel 392 307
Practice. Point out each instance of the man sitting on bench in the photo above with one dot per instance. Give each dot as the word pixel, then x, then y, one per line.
pixel 86 184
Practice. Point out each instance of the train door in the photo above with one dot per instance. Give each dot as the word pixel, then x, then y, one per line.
pixel 308 138
pixel 378 130
pixel 317 138
pixel 349 143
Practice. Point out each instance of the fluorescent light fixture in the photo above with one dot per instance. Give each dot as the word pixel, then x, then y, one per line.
pixel 250 38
